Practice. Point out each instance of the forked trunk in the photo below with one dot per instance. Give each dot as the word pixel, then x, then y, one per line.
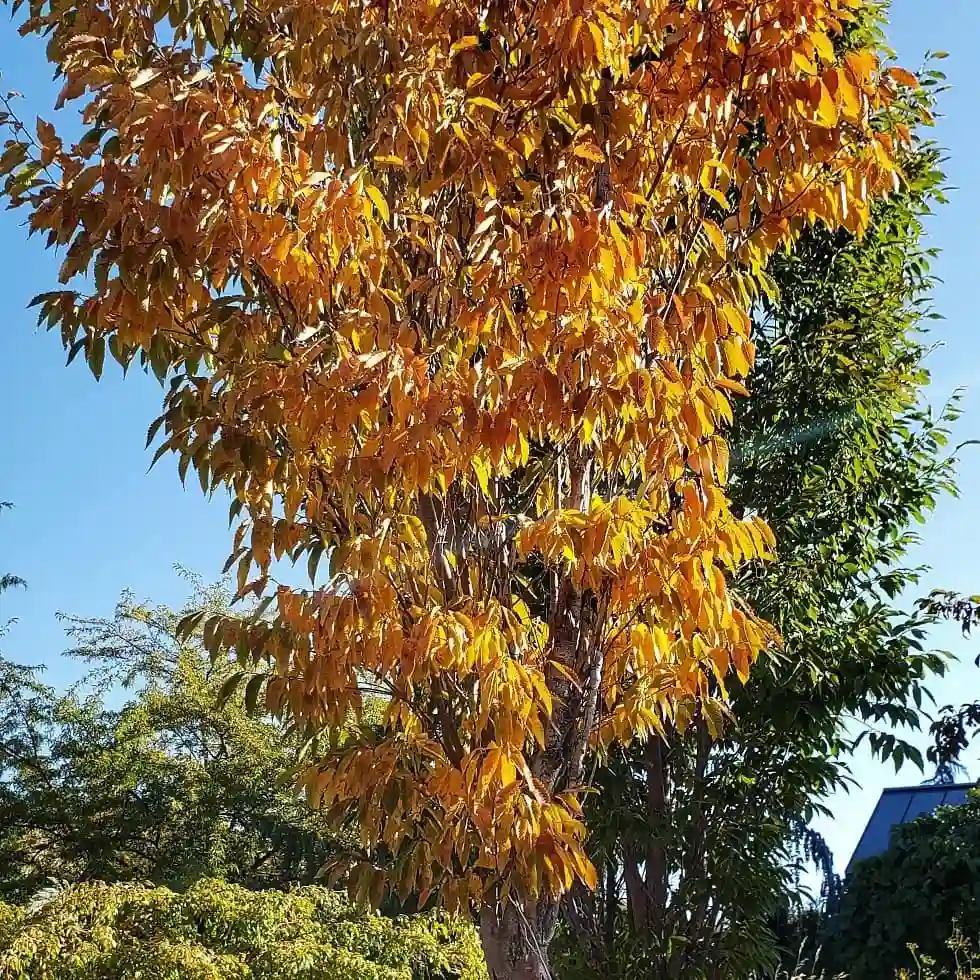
pixel 516 940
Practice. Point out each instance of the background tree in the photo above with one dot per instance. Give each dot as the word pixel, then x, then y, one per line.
pixel 15 716
pixel 924 885
pixel 461 298
pixel 955 725
pixel 176 782
pixel 704 836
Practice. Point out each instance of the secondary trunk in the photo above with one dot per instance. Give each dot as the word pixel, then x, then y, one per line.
pixel 516 940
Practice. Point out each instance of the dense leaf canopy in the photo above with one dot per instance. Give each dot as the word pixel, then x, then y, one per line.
pixel 914 893
pixel 460 297
pixel 162 781
pixel 217 931
pixel 706 835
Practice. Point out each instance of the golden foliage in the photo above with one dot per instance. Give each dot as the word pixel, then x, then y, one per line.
pixel 461 302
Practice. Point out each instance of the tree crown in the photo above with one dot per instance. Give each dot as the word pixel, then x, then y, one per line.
pixel 460 297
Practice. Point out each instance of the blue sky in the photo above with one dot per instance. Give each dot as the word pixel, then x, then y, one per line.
pixel 90 520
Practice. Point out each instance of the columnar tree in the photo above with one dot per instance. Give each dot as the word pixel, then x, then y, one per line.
pixel 459 296
pixel 699 839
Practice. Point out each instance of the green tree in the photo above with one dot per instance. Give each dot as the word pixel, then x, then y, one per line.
pixel 217 931
pixel 17 685
pixel 927 882
pixel 955 725
pixel 703 836
pixel 174 783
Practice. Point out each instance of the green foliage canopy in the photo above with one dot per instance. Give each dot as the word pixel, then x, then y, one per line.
pixel 914 893
pixel 219 931
pixel 172 783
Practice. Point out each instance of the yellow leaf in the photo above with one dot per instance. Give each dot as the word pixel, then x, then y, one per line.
pixel 861 65
pixel 848 96
pixel 379 202
pixel 482 471
pixel 595 31
pixel 489 769
pixel 824 45
pixel 716 236
pixel 588 151
pixel 729 384
pixel 464 44
pixel 716 196
pixel 608 262
pixel 803 63
pixel 826 108
pixel 903 77
pixel 481 100
pixel 508 771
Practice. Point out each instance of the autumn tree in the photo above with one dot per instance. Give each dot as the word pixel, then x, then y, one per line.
pixel 699 841
pixel 460 297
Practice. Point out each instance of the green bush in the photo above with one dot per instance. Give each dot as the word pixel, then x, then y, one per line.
pixel 928 879
pixel 219 931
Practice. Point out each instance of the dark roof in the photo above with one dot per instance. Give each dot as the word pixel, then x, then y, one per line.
pixel 901 805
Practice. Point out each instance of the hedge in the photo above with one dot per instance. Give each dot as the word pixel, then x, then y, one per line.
pixel 219 931
pixel 913 893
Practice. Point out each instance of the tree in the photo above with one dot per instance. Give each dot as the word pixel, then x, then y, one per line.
pixel 926 884
pixel 13 679
pixel 955 725
pixel 217 931
pixel 703 836
pixel 459 298
pixel 176 783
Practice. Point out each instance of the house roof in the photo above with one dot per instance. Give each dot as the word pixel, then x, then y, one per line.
pixel 900 805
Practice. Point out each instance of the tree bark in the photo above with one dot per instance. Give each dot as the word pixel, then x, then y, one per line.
pixel 656 857
pixel 516 939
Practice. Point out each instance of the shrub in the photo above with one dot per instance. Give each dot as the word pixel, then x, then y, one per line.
pixel 908 896
pixel 219 931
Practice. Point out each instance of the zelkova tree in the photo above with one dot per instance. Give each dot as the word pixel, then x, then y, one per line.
pixel 698 839
pixel 458 296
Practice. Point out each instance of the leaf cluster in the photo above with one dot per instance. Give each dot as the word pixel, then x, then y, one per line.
pixel 707 835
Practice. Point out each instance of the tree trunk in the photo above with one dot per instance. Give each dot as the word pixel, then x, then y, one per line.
pixel 516 940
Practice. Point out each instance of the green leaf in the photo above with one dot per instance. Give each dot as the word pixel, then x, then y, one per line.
pixel 189 623
pixel 252 690
pixel 229 687
pixel 96 356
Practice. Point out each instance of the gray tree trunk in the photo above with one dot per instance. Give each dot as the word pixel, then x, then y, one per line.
pixel 516 940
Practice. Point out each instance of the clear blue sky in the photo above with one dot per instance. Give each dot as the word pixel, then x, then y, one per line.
pixel 90 521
